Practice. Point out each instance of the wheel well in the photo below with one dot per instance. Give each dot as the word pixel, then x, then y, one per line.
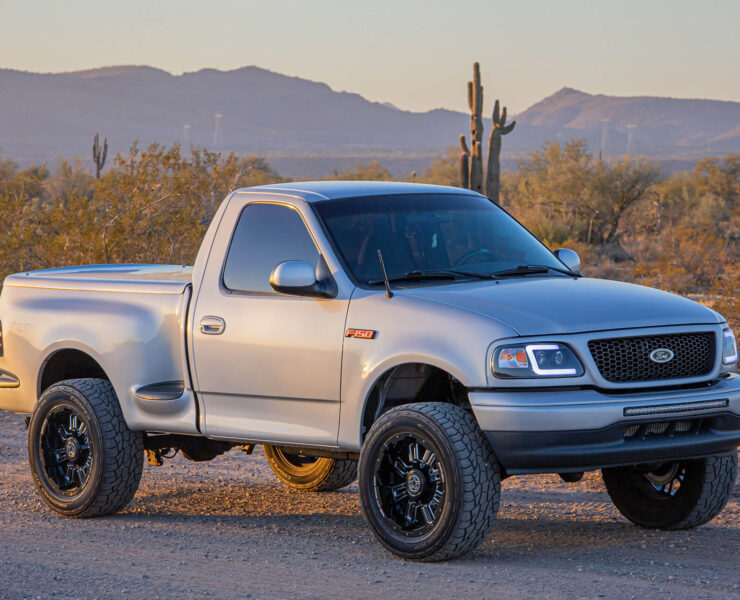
pixel 69 364
pixel 411 382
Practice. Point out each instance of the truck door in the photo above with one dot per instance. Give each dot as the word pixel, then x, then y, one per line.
pixel 267 366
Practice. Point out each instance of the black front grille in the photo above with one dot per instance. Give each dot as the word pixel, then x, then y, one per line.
pixel 627 359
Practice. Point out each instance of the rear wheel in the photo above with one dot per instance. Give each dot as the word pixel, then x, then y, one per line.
pixel 310 473
pixel 429 482
pixel 84 459
pixel 673 495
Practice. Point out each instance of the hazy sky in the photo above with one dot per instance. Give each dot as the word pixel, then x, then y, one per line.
pixel 414 53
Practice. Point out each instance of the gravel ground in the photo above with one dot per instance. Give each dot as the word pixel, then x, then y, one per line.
pixel 227 529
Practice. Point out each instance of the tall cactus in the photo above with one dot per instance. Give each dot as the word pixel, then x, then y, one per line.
pixel 99 155
pixel 475 102
pixel 493 174
pixel 464 163
pixel 471 160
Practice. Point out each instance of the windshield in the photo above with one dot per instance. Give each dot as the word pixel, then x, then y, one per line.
pixel 428 232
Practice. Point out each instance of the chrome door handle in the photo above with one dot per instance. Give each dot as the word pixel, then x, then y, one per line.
pixel 212 325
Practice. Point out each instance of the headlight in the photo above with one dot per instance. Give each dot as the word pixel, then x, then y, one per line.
pixel 536 360
pixel 729 348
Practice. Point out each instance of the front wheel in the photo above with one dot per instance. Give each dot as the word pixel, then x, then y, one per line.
pixel 672 495
pixel 310 473
pixel 429 482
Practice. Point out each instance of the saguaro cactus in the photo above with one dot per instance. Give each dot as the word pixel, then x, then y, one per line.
pixel 493 174
pixel 475 102
pixel 99 155
pixel 471 160
pixel 464 163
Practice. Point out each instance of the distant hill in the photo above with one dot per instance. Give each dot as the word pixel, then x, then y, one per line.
pixel 658 126
pixel 305 123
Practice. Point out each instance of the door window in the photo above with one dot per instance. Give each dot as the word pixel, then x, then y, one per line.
pixel 265 236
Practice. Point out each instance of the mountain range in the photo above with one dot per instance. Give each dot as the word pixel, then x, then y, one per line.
pixel 304 125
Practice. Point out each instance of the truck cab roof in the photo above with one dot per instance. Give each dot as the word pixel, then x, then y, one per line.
pixel 318 191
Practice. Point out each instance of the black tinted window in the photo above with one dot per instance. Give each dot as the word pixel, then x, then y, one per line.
pixel 428 232
pixel 265 236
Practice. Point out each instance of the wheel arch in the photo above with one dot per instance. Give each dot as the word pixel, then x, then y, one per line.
pixel 68 362
pixel 409 382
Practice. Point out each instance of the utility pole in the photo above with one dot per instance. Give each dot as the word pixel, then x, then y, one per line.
pixel 217 131
pixel 630 132
pixel 604 137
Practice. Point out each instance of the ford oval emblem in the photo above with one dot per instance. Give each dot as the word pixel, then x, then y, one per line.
pixel 661 355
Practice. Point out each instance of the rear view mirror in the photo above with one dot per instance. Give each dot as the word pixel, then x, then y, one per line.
pixel 298 278
pixel 569 258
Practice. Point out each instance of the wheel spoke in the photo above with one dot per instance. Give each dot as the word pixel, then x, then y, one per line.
pixel 60 455
pixel 411 512
pixel 428 458
pixel 427 513
pixel 69 473
pixel 401 467
pixel 413 453
pixel 399 492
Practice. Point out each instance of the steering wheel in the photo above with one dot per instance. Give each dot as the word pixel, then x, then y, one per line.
pixel 466 258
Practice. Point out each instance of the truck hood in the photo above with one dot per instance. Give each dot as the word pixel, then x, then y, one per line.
pixel 560 305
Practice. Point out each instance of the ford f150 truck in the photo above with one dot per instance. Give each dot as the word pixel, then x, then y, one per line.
pixel 415 337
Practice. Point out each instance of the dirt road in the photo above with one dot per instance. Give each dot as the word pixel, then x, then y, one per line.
pixel 227 529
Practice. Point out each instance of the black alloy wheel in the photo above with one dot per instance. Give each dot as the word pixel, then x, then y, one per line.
pixel 66 450
pixel 410 483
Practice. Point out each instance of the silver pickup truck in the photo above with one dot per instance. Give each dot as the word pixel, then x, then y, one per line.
pixel 414 337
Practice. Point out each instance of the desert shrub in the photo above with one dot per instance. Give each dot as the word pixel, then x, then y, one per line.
pixel 152 205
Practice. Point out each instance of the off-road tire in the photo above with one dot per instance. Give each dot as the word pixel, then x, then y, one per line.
pixel 471 474
pixel 117 453
pixel 706 487
pixel 310 474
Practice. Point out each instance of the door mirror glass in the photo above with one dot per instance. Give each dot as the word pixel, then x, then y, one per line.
pixel 295 277
pixel 569 258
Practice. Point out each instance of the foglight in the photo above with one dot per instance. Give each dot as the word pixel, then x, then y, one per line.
pixel 536 360
pixel 729 348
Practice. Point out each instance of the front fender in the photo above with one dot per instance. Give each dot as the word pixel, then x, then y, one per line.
pixel 408 330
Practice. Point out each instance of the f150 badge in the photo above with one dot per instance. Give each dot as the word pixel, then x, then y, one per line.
pixel 361 334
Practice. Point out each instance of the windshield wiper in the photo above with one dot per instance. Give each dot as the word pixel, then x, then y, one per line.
pixel 432 275
pixel 529 269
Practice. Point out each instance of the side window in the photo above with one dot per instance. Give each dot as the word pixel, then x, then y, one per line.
pixel 265 236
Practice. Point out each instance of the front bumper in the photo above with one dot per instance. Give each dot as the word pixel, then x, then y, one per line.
pixel 559 430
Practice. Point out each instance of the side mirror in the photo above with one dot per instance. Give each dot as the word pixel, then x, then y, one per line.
pixel 298 278
pixel 570 258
